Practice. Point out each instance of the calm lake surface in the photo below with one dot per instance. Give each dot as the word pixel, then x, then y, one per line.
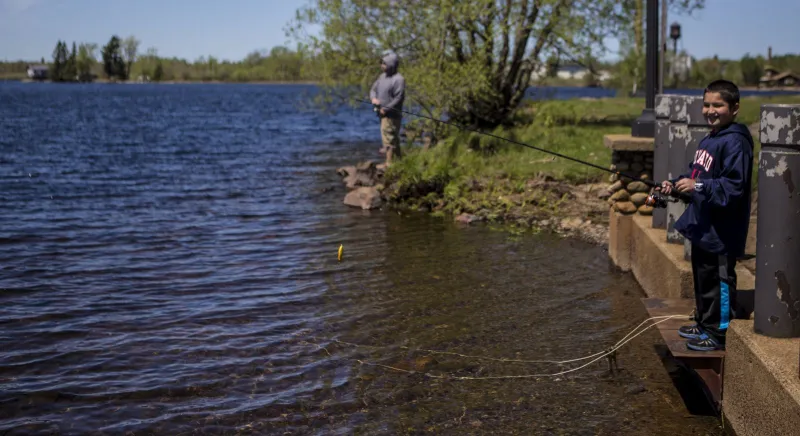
pixel 168 266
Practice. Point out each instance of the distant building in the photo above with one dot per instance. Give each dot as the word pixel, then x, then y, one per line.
pixel 571 72
pixel 773 78
pixel 37 72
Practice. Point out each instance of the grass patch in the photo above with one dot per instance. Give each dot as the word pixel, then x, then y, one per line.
pixel 469 172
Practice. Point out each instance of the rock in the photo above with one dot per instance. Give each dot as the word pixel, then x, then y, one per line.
pixel 623 166
pixel 604 194
pixel 364 197
pixel 625 207
pixel 637 187
pixel 466 218
pixel 345 171
pixel 637 167
pixel 621 195
pixel 613 178
pixel 616 186
pixel 638 157
pixel 571 223
pixel 638 198
pixel 649 159
pixel 644 176
pixel 363 174
pixel 635 389
pixel 645 210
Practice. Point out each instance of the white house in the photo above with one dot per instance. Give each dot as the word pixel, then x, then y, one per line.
pixel 37 72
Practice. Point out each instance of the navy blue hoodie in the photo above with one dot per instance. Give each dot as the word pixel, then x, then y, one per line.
pixel 718 217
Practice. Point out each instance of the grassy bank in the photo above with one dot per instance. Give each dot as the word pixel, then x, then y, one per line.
pixel 495 180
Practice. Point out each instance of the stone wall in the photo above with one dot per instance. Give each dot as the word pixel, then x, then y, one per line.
pixel 628 196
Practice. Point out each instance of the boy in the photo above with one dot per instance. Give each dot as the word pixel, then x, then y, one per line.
pixel 717 219
pixel 388 92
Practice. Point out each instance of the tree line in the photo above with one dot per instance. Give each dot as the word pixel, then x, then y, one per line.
pixel 121 60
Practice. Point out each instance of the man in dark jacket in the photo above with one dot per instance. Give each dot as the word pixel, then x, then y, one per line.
pixel 389 93
pixel 717 219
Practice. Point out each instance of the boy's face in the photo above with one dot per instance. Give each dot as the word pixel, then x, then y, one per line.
pixel 717 112
pixel 383 67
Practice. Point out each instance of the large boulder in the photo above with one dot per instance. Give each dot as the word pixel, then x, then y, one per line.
pixel 365 197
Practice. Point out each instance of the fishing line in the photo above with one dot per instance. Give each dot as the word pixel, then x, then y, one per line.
pixel 595 357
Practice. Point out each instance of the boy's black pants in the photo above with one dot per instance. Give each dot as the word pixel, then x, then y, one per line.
pixel 714 291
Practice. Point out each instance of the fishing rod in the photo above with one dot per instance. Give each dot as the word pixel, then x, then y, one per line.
pixel 655 199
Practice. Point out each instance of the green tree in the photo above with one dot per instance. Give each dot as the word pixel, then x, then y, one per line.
pixel 71 70
pixel 60 62
pixel 113 64
pixel 471 59
pixel 752 69
pixel 86 59
pixel 130 48
pixel 158 73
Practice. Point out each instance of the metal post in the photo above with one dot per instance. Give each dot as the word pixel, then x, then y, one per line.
pixel 777 294
pixel 662 52
pixel 697 129
pixel 676 164
pixel 645 125
pixel 661 153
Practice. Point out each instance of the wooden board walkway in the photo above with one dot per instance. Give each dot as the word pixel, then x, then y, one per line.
pixel 707 365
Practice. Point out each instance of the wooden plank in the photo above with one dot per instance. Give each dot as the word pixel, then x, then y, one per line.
pixel 713 382
pixel 669 329
pixel 706 365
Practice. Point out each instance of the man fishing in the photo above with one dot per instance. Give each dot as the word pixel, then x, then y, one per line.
pixel 388 93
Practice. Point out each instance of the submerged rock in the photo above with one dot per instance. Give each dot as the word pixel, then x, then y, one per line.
pixel 466 218
pixel 365 197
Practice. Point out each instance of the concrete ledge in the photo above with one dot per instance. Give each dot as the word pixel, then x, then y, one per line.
pixel 659 267
pixel 622 142
pixel 761 384
pixel 619 239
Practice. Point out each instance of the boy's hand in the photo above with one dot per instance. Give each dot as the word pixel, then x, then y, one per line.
pixel 685 185
pixel 666 187
pixel 383 111
pixel 376 101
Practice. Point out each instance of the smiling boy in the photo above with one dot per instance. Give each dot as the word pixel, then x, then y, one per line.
pixel 718 217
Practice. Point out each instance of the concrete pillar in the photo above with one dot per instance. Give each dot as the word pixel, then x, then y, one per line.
pixel 676 163
pixel 661 153
pixel 777 294
pixel 698 129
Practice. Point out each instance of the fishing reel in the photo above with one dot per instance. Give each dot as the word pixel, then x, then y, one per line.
pixel 657 200
pixel 377 109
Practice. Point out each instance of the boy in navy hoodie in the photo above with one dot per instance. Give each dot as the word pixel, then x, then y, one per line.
pixel 718 217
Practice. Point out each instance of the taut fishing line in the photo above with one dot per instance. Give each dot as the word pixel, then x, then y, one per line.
pixel 595 357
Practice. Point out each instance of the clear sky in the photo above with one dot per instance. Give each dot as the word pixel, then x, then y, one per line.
pixel 29 29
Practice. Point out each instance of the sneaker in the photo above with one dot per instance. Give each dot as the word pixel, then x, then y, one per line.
pixel 690 331
pixel 705 343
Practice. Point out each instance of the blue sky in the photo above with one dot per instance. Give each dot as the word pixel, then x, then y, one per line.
pixel 230 30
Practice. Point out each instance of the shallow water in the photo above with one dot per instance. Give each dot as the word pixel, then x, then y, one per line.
pixel 168 266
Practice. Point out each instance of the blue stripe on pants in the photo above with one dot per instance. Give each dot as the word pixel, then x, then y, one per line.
pixel 725 306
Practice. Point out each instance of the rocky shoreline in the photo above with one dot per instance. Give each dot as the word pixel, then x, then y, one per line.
pixel 582 210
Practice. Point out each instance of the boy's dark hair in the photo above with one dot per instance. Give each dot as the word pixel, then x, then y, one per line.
pixel 726 89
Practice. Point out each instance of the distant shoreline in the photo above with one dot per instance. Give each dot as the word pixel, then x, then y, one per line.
pixel 176 82
pixel 311 82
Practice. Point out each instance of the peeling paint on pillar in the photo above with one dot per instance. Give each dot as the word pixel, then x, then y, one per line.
pixel 697 130
pixel 661 153
pixel 777 296
pixel 677 163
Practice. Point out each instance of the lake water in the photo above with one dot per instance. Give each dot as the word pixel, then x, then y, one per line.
pixel 168 266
